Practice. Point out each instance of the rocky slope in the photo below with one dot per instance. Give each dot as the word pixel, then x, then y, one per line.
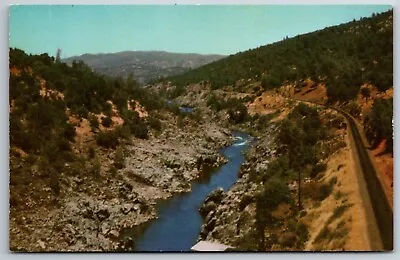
pixel 328 223
pixel 91 211
pixel 229 217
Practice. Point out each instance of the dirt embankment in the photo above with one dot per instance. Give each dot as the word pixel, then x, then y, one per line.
pixel 383 161
pixel 343 211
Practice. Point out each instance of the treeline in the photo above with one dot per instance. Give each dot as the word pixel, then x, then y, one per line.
pixel 343 57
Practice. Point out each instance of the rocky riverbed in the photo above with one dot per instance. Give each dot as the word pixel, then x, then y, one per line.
pixel 89 214
pixel 229 217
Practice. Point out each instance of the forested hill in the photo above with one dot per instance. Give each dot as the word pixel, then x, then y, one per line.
pixel 343 57
pixel 49 99
pixel 144 65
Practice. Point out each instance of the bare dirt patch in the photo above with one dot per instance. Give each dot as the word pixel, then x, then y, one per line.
pixel 340 165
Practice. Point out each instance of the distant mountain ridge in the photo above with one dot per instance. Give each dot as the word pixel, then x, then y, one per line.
pixel 145 65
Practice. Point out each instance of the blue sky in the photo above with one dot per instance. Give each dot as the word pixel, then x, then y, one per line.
pixel 225 29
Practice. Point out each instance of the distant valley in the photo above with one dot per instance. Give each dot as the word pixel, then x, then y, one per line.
pixel 145 65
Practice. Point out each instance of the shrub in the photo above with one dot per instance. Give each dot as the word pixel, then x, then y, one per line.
pixel 69 131
pixel 63 144
pixel 339 195
pixel 124 132
pixel 318 168
pixel 107 139
pixel 55 182
pixel 365 92
pixel 94 123
pixel 238 114
pixel 317 191
pixel 180 122
pixel 338 212
pixel 246 200
pixel 91 153
pixel 113 171
pixel 324 234
pixel 353 108
pixel 106 121
pixel 119 160
pixel 96 167
pixel 378 123
pixel 81 111
pixel 140 130
pixel 323 191
pixel 196 115
pixel 154 123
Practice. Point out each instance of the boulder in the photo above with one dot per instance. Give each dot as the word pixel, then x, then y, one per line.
pixel 87 213
pixel 128 244
pixel 209 216
pixel 211 224
pixel 215 196
pixel 207 207
pixel 114 233
pixel 126 208
pixel 41 244
pixel 102 214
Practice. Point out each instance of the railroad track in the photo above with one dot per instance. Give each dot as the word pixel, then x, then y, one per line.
pixel 380 204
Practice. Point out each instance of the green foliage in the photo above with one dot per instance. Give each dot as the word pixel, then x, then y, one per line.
pixel 140 130
pixel 378 123
pixel 95 170
pixel 365 92
pixel 119 159
pixel 154 123
pixel 300 133
pixel 275 192
pixel 301 233
pixel 343 57
pixel 338 212
pixel 213 103
pixel 176 92
pixel 324 234
pixel 196 115
pixel 113 170
pixel 323 192
pixel 55 182
pixel 237 111
pixel 237 114
pixel 180 122
pixel 94 122
pixel 91 152
pixel 317 168
pixel 135 124
pixel 107 139
pixel 106 121
pixel 353 108
pixel 279 168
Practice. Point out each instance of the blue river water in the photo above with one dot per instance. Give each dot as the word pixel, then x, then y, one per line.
pixel 179 222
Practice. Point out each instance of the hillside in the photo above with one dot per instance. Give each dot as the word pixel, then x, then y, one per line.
pixel 145 65
pixel 342 57
pixel 92 151
pixel 90 155
pixel 348 65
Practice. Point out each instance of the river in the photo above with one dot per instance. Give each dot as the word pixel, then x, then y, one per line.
pixel 179 222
